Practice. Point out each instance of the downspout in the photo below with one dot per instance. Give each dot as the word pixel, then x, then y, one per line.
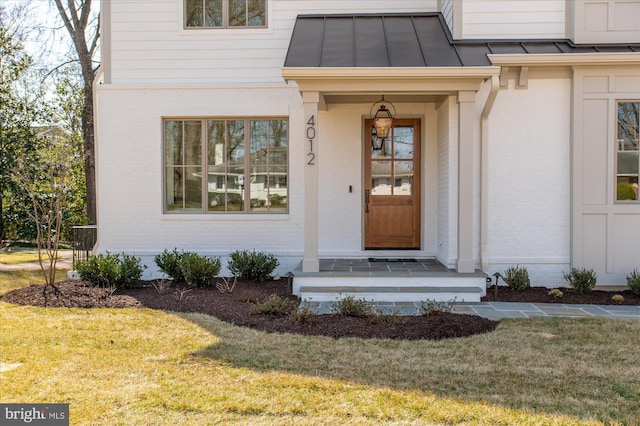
pixel 484 171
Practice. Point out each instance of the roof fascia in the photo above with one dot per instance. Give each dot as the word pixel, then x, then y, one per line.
pixel 568 59
pixel 368 73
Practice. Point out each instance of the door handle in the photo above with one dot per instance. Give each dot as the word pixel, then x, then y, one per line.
pixel 366 200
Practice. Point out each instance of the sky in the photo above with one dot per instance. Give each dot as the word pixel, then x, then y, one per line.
pixel 50 45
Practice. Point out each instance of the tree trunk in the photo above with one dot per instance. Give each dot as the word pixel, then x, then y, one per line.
pixel 76 24
pixel 89 148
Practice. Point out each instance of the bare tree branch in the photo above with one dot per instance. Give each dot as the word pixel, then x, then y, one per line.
pixel 63 15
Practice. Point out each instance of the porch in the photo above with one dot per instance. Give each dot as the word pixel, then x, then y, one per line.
pixel 389 280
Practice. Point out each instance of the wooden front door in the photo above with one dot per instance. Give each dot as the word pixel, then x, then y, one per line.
pixel 392 188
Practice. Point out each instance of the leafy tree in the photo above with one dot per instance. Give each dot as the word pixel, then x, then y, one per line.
pixel 17 136
pixel 77 18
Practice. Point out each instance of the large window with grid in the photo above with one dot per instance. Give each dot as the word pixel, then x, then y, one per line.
pixel 225 13
pixel 226 165
pixel 628 151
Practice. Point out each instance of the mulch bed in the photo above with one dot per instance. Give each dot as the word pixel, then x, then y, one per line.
pixel 541 295
pixel 235 309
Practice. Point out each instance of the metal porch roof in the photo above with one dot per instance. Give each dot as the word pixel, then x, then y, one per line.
pixel 407 40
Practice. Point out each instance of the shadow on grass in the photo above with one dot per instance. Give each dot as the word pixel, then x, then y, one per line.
pixel 579 370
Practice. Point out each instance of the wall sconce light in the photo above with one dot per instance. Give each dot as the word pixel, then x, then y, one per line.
pixel 382 122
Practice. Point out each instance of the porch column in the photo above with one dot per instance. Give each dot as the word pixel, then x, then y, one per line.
pixel 310 262
pixel 467 118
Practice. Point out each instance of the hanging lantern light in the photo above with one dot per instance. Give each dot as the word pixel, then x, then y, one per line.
pixel 382 122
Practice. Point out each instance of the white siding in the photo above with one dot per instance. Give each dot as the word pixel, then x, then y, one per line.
pixel 504 19
pixel 529 174
pixel 149 44
pixel 447 13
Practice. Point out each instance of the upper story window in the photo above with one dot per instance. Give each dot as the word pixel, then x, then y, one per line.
pixel 628 155
pixel 225 13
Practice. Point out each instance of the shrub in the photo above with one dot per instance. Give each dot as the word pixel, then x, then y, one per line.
pixel 352 307
pixel 100 270
pixel 434 307
pixel 556 292
pixel 272 305
pixel 581 280
pixel 110 270
pixel 252 265
pixel 618 298
pixel 517 278
pixel 303 315
pixel 199 271
pixel 170 263
pixel 633 281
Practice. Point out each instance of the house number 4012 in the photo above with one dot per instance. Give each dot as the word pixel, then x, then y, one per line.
pixel 311 136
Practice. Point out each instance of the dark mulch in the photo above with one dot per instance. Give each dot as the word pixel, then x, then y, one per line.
pixel 235 309
pixel 541 295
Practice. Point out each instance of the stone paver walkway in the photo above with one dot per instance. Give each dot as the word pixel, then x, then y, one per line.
pixel 500 310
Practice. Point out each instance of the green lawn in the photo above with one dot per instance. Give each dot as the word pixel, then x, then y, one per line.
pixel 21 257
pixel 139 366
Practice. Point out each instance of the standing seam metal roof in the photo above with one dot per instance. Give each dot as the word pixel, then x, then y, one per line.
pixel 407 40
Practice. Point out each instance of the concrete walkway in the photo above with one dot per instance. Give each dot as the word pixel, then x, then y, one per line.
pixel 500 310
pixel 65 259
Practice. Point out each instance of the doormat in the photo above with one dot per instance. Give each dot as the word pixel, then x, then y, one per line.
pixel 390 259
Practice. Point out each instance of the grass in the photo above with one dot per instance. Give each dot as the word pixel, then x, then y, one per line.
pixel 139 366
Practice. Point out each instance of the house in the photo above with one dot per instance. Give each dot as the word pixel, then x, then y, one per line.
pixel 226 125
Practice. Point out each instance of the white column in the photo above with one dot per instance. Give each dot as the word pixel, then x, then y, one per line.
pixel 310 262
pixel 467 118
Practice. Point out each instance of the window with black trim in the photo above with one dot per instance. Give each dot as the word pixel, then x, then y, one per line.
pixel 225 14
pixel 628 151
pixel 226 165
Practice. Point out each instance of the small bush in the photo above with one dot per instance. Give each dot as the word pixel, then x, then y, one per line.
pixel 273 305
pixel 130 271
pixel 352 307
pixel 100 270
pixel 170 263
pixel 617 298
pixel 110 270
pixel 161 285
pixel 433 307
pixel 252 265
pixel 581 280
pixel 556 292
pixel 633 281
pixel 199 271
pixel 303 315
pixel 226 286
pixel 517 278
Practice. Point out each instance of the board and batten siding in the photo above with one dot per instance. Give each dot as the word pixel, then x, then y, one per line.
pixel 507 19
pixel 606 233
pixel 604 21
pixel 149 44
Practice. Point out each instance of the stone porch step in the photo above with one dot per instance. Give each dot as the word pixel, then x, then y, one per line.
pixel 386 289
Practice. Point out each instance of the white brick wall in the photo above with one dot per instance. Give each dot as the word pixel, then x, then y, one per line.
pixel 529 171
